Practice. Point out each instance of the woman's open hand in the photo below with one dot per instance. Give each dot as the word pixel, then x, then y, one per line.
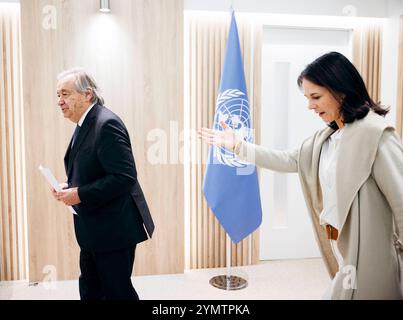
pixel 226 138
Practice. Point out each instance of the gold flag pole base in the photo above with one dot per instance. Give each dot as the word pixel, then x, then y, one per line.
pixel 226 282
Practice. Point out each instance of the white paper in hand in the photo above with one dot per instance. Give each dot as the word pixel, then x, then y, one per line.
pixel 53 182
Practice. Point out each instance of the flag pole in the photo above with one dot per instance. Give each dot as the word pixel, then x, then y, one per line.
pixel 228 281
pixel 232 213
pixel 228 252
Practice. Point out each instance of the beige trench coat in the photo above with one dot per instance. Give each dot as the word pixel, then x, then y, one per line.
pixel 369 187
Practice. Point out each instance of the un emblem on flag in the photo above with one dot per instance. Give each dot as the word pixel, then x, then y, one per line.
pixel 232 107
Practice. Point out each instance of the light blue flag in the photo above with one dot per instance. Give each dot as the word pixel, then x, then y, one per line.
pixel 230 185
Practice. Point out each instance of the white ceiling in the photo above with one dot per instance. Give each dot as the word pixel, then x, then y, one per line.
pixel 360 8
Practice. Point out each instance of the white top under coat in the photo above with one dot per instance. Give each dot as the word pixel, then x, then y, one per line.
pixel 327 178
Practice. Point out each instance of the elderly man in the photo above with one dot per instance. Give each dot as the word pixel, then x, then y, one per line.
pixel 112 213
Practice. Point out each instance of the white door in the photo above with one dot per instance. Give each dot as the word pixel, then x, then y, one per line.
pixel 286 231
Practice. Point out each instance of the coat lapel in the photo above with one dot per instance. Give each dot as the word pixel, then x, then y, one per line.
pixel 309 168
pixel 357 152
pixel 308 162
pixel 85 128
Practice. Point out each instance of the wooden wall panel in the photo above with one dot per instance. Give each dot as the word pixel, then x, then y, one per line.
pixel 136 55
pixel 367 56
pixel 12 179
pixel 399 100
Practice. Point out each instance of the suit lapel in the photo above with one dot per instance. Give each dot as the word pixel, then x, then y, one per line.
pixel 66 156
pixel 85 128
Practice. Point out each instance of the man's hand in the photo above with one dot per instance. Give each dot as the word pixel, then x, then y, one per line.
pixel 62 186
pixel 68 196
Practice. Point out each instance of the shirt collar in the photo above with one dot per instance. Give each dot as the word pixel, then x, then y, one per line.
pixel 80 123
pixel 337 134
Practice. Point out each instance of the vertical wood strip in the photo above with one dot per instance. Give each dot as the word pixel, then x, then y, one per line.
pixel 12 179
pixel 399 100
pixel 367 55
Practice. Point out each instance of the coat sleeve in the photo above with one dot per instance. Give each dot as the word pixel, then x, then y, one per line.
pixel 388 174
pixel 116 158
pixel 282 161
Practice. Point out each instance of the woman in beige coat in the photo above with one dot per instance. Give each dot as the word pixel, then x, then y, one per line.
pixel 351 175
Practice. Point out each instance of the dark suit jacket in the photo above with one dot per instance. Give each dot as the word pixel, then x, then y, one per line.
pixel 113 213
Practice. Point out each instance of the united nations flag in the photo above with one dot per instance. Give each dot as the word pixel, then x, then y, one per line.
pixel 231 186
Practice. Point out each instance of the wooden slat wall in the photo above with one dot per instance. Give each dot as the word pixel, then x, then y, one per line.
pixel 136 55
pixel 207 41
pixel 367 56
pixel 12 182
pixel 399 101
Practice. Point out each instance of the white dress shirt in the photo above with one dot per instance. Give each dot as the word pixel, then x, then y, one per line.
pixel 327 178
pixel 80 123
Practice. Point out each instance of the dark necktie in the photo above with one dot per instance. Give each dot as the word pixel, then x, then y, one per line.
pixel 75 134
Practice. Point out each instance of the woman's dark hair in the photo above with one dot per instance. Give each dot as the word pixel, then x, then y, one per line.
pixel 337 74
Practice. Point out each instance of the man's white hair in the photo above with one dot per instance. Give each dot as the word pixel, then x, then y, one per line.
pixel 83 82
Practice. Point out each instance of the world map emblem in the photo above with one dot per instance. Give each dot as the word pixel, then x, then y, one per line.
pixel 232 107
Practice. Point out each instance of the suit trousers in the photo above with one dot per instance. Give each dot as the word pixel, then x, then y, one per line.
pixel 106 275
